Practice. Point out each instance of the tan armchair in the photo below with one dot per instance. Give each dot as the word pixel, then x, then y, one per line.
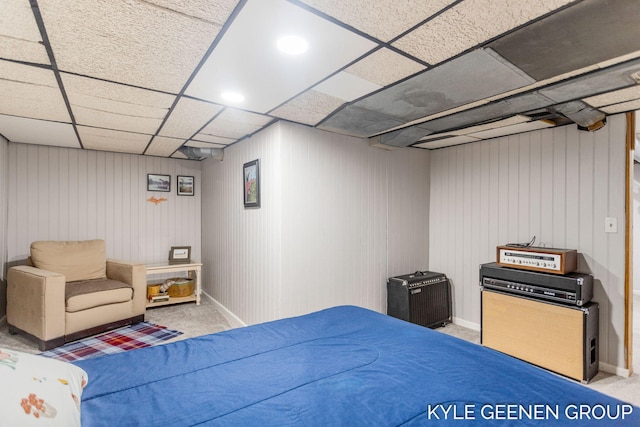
pixel 72 291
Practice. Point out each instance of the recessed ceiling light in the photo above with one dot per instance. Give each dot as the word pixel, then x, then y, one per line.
pixel 234 97
pixel 292 45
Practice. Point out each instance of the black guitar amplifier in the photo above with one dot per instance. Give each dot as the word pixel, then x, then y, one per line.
pixel 423 298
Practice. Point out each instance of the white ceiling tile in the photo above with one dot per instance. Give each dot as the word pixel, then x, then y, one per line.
pixel 115 97
pixel 216 12
pixel 384 19
pixel 235 124
pixel 113 140
pixel 623 107
pixel 384 67
pixel 41 132
pixel 309 108
pixel 117 121
pixel 245 117
pixel 493 125
pixel 346 86
pixel 616 97
pixel 19 34
pixel 179 155
pixel 247 60
pixel 438 136
pixel 188 117
pixel 512 129
pixel 114 106
pixel 131 42
pixel 509 126
pixel 31 92
pixel 469 23
pixel 163 146
pixel 198 144
pixel 211 139
pixel 447 142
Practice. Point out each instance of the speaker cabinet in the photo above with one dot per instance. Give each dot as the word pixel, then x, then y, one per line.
pixel 563 339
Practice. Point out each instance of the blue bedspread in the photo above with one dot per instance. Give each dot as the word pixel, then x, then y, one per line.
pixel 342 366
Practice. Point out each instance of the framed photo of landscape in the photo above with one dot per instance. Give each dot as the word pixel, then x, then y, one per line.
pixel 157 182
pixel 180 255
pixel 185 185
pixel 251 184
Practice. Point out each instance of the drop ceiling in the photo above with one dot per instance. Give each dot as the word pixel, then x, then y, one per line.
pixel 148 76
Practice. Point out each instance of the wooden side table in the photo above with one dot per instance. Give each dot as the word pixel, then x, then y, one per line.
pixel 194 271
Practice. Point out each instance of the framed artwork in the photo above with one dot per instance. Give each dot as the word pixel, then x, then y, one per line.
pixel 251 181
pixel 157 182
pixel 180 255
pixel 185 185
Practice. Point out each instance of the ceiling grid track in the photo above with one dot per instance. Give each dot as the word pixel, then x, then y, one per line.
pixel 54 67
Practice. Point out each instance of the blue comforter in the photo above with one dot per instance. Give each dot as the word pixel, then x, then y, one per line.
pixel 341 366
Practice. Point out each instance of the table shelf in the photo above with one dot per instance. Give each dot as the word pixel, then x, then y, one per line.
pixel 194 271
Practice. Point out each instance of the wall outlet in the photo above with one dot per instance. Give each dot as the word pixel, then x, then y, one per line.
pixel 610 225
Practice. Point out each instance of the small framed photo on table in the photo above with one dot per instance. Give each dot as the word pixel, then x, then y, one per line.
pixel 180 255
pixel 185 185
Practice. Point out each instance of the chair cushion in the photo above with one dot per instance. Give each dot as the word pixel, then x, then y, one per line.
pixel 85 294
pixel 76 260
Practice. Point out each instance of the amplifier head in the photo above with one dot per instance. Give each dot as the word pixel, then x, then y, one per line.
pixel 547 260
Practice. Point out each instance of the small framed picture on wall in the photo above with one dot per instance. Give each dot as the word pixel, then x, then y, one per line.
pixel 251 184
pixel 185 185
pixel 157 182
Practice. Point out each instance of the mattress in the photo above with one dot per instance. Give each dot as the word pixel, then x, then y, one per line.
pixel 341 366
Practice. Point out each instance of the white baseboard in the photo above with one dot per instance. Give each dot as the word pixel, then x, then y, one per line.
pixel 614 370
pixel 233 320
pixel 466 324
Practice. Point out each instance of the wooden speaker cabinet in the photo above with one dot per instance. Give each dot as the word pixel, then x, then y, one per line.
pixel 560 338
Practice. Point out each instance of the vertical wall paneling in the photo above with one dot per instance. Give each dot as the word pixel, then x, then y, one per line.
pixel 408 210
pixel 557 184
pixel 337 218
pixel 242 246
pixel 636 229
pixel 69 194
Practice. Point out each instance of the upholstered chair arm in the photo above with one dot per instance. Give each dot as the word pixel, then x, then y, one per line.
pixel 36 301
pixel 134 274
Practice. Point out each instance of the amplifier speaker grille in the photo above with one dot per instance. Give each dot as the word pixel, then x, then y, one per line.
pixel 426 305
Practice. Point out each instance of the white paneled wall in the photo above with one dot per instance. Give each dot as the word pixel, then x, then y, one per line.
pixel 325 234
pixel 241 247
pixel 556 184
pixel 636 229
pixel 4 162
pixel 333 222
pixel 408 211
pixel 70 194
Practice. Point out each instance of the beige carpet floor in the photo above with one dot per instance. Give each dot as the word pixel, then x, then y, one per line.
pixel 190 319
pixel 195 320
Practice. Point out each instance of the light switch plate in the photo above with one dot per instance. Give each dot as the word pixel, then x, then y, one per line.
pixel 610 225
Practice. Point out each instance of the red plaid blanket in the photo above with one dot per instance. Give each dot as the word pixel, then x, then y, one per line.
pixel 124 339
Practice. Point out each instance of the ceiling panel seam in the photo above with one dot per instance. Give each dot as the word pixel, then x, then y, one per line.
pixel 213 45
pixel 54 67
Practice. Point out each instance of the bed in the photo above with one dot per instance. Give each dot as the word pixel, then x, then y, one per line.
pixel 341 366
